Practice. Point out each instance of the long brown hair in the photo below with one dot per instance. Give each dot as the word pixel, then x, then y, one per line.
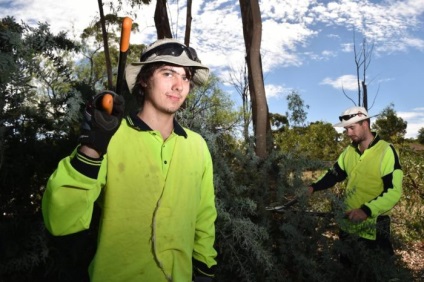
pixel 146 73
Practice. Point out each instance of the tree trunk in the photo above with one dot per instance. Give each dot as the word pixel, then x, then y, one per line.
pixel 163 28
pixel 252 32
pixel 246 108
pixel 365 95
pixel 106 47
pixel 189 18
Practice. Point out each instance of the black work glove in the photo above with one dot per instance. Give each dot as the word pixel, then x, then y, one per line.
pixel 203 279
pixel 99 126
pixel 202 273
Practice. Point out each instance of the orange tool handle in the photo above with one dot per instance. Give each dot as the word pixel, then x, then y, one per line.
pixel 107 103
pixel 107 99
pixel 125 34
pixel 123 52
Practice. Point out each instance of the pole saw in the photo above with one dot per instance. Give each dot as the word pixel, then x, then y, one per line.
pixel 107 100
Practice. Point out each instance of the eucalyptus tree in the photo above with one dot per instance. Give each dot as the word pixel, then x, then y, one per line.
pixel 37 94
pixel 296 113
pixel 420 136
pixel 239 80
pixel 389 126
pixel 209 109
pixel 161 18
pixel 252 32
pixel 100 41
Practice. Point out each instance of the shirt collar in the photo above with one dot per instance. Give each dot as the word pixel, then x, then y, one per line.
pixel 376 139
pixel 135 122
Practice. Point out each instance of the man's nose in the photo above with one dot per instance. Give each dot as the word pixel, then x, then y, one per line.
pixel 178 83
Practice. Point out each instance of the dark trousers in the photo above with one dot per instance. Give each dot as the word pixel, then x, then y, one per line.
pixel 382 243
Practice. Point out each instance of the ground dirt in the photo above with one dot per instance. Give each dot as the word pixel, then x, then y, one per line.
pixel 417 147
pixel 414 259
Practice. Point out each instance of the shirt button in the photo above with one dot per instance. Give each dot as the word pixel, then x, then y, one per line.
pixel 165 162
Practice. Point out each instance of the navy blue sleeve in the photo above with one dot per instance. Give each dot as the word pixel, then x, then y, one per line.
pixel 330 178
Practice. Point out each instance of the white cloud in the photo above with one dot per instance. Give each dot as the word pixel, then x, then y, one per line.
pixel 279 48
pixel 384 23
pixel 415 119
pixel 346 82
pixel 287 10
pixel 412 129
pixel 217 32
pixel 217 26
pixel 416 114
pixel 324 55
pixel 417 43
pixel 61 15
pixel 289 32
pixel 276 91
pixel 347 47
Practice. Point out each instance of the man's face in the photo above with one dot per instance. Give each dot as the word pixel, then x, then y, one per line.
pixel 356 132
pixel 167 89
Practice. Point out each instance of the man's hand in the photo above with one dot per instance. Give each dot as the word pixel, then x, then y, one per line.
pixel 99 126
pixel 356 215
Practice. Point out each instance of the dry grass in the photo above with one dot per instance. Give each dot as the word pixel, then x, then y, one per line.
pixel 417 147
pixel 413 257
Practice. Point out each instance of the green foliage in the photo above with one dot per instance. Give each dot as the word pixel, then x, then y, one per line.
pixel 409 213
pixel 319 141
pixel 279 122
pixel 244 243
pixel 132 3
pixel 296 114
pixel 113 29
pixel 32 118
pixel 40 114
pixel 91 71
pixel 390 127
pixel 10 44
pixel 208 107
pixel 257 245
pixel 23 248
pixel 420 136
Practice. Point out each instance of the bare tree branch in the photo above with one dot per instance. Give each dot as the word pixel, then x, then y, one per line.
pixel 347 95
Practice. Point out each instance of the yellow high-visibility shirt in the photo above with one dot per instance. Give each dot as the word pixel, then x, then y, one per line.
pixel 157 199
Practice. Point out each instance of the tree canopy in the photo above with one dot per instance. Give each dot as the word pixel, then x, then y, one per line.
pixel 390 126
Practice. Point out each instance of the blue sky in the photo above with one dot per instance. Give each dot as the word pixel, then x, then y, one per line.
pixel 306 46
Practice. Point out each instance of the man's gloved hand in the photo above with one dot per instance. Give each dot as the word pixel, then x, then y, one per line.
pixel 99 126
pixel 203 273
